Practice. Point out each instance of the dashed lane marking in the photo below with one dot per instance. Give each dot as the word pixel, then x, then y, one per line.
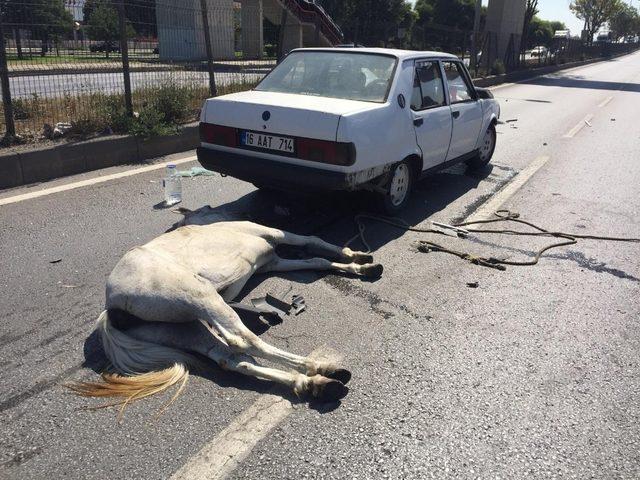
pixel 487 209
pixel 581 124
pixel 90 181
pixel 605 102
pixel 224 453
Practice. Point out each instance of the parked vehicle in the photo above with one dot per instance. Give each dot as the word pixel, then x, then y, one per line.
pixel 539 51
pixel 104 47
pixel 351 119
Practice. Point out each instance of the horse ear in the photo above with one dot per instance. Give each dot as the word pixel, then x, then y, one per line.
pixel 182 211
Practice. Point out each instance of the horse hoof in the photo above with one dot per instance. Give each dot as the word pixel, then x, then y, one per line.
pixel 361 258
pixel 341 374
pixel 330 390
pixel 372 270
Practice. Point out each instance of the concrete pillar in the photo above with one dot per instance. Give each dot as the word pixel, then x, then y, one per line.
pixel 251 24
pixel 504 18
pixel 292 37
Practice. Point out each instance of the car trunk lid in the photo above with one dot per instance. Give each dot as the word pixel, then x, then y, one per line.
pixel 282 113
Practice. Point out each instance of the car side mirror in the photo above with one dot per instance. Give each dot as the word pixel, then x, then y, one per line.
pixel 484 93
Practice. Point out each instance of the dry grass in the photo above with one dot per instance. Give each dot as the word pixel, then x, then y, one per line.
pixel 93 113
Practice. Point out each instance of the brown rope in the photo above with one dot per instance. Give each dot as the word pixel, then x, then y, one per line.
pixel 490 262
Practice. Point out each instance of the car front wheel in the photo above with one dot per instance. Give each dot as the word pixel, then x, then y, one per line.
pixel 397 189
pixel 487 147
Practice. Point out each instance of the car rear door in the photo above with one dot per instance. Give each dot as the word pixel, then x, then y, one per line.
pixel 466 110
pixel 431 113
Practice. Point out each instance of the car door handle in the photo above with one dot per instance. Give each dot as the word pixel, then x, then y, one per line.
pixel 455 114
pixel 418 121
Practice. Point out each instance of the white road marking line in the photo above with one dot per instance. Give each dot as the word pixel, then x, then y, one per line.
pixel 605 102
pixel 220 456
pixel 487 209
pixel 581 124
pixel 90 181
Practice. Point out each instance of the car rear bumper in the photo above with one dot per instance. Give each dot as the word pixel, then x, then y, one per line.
pixel 263 171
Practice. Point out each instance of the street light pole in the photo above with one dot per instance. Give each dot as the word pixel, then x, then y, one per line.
pixel 473 63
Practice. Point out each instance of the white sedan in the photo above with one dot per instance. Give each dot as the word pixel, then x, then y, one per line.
pixel 351 119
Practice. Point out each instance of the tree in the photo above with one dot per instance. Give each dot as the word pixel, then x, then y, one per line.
pixel 47 19
pixel 103 23
pixel 595 13
pixel 625 22
pixel 451 13
pixel 530 12
pixel 369 22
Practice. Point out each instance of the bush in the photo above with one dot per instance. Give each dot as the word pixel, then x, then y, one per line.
pixel 115 115
pixel 21 109
pixel 171 101
pixel 150 123
pixel 498 68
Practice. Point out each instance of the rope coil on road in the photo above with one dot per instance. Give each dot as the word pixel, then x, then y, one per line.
pixel 426 246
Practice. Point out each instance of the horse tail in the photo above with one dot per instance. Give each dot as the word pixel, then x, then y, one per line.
pixel 144 368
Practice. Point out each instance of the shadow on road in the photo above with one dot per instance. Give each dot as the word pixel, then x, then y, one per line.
pixel 580 82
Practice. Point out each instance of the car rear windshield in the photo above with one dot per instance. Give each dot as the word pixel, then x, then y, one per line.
pixel 352 76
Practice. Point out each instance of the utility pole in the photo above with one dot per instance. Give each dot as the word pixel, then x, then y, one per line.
pixel 473 62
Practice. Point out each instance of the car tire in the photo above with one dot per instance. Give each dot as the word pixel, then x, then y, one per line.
pixel 397 189
pixel 485 152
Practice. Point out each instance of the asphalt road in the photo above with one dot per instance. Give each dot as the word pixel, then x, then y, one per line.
pixel 536 372
pixel 58 85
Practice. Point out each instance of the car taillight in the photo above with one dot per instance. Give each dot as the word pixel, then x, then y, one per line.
pixel 218 134
pixel 334 153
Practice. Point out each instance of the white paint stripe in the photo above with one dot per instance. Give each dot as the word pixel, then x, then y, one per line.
pixel 219 457
pixel 605 102
pixel 574 131
pixel 90 181
pixel 488 209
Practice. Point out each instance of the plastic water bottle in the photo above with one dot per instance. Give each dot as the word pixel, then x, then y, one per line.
pixel 172 185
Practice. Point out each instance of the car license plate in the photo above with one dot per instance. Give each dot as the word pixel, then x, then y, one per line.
pixel 267 141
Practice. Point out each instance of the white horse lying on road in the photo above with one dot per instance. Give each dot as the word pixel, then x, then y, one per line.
pixel 178 285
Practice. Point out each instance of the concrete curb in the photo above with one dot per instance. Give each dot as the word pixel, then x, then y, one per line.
pixel 43 164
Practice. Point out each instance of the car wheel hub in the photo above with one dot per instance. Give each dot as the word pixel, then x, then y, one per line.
pixel 399 184
pixel 487 144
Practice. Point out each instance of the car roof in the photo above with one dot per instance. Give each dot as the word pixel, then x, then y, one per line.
pixel 401 54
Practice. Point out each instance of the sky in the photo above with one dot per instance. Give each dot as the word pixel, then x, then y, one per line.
pixel 559 10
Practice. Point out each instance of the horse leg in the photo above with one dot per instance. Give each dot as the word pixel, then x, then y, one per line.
pixel 317 245
pixel 370 270
pixel 312 243
pixel 317 386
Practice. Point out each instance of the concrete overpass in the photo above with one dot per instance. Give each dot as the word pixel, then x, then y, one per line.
pixel 181 33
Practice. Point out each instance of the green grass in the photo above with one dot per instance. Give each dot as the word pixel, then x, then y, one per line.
pixel 81 57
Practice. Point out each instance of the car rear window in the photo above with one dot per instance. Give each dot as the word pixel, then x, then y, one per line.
pixel 352 76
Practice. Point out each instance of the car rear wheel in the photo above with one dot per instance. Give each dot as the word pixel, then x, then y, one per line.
pixel 485 152
pixel 397 189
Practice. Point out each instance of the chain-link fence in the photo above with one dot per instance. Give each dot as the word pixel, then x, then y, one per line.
pixel 125 66
pixel 489 60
